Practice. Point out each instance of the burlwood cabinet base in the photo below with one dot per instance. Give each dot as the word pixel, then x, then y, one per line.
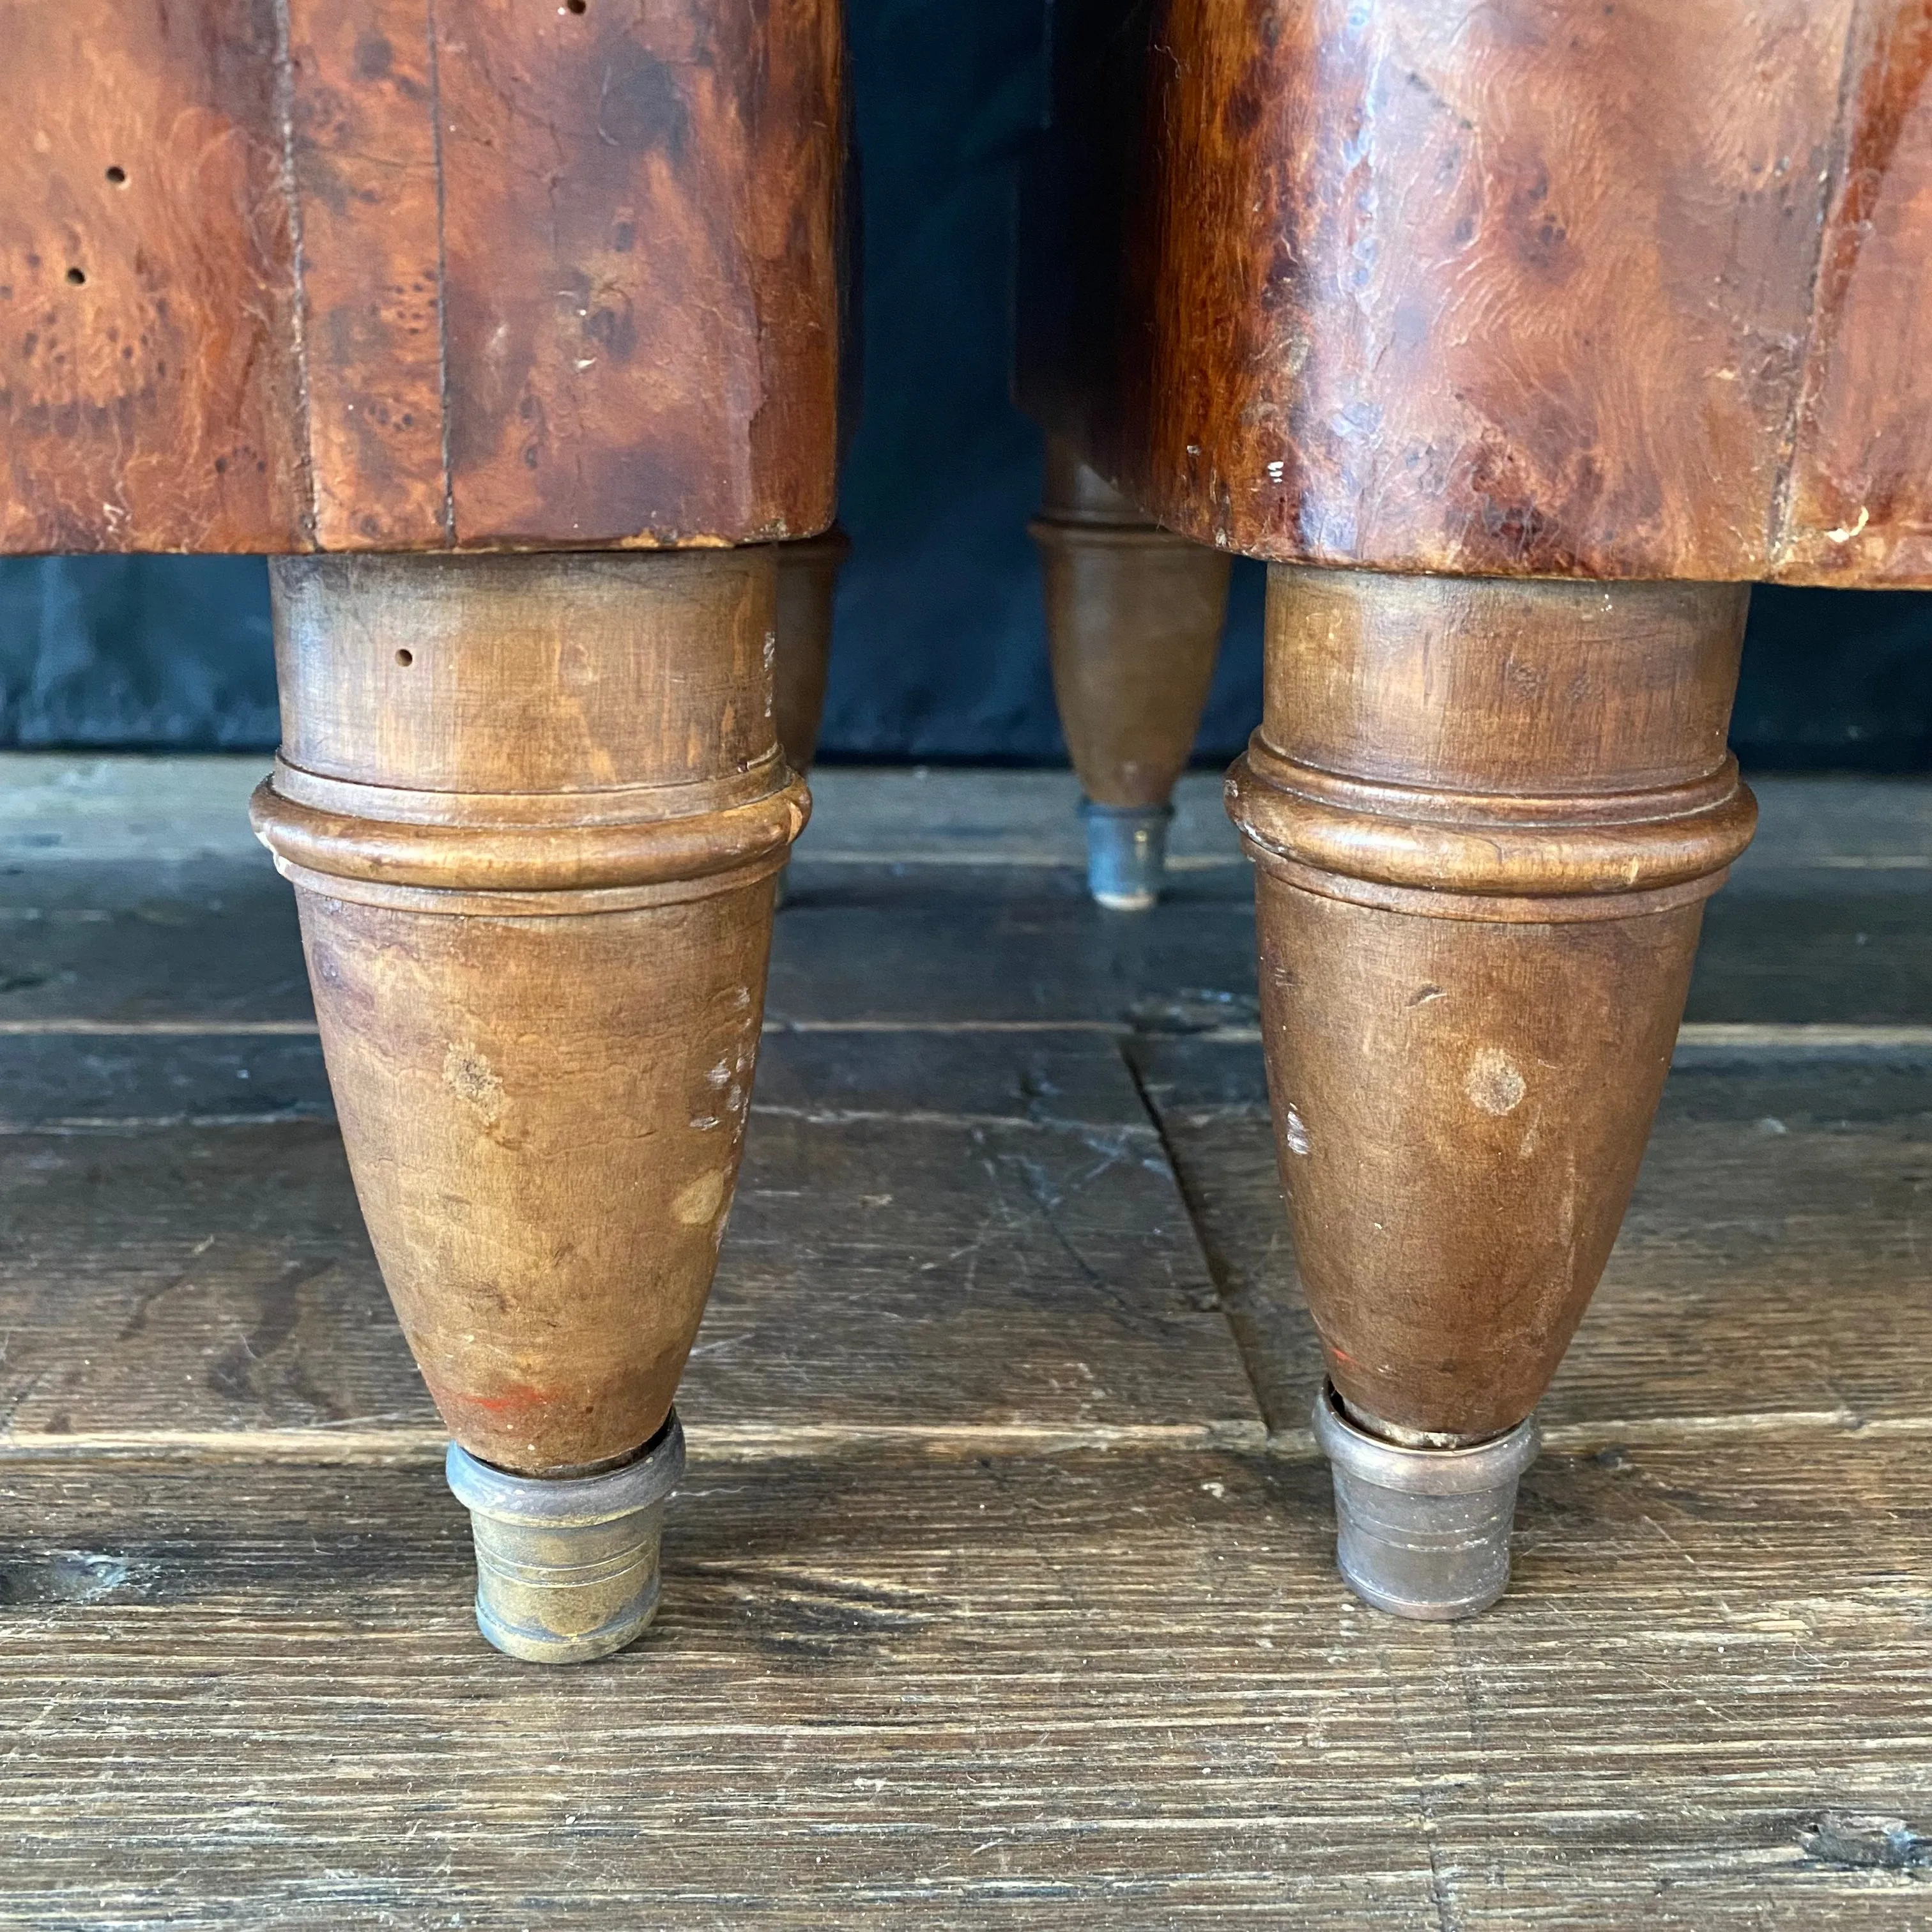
pixel 1133 621
pixel 532 807
pixel 1485 816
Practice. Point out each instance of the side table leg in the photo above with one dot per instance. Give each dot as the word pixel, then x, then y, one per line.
pixel 1133 620
pixel 1485 815
pixel 807 576
pixel 532 807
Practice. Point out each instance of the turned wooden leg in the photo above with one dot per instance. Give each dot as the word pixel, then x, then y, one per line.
pixel 1485 815
pixel 1133 623
pixel 532 807
pixel 807 576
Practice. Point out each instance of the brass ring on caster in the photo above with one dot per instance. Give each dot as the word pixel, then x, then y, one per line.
pixel 567 1567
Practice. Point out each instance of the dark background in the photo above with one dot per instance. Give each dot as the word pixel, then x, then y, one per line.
pixel 940 653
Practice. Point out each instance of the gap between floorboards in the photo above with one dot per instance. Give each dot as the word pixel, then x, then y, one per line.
pixel 415 1446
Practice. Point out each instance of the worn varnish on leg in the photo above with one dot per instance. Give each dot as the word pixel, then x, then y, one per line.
pixel 1486 816
pixel 532 807
pixel 1133 620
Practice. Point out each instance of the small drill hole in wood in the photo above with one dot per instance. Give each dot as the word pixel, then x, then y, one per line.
pixel 575 6
pixel 406 658
pixel 76 277
pixel 118 176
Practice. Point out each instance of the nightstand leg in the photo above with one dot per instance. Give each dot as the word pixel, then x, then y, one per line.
pixel 1133 621
pixel 532 807
pixel 1485 815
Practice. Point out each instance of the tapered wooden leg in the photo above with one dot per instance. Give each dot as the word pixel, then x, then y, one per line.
pixel 1486 816
pixel 531 807
pixel 1133 622
pixel 807 576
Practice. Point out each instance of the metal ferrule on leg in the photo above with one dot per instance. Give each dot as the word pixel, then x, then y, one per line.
pixel 1422 1533
pixel 1126 854
pixel 567 1568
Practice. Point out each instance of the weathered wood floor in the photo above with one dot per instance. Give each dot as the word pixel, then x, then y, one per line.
pixel 1000 1590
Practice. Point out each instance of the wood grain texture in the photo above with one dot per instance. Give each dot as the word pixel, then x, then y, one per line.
pixel 930 1235
pixel 642 226
pixel 1121 1689
pixel 888 947
pixel 58 1080
pixel 926 1656
pixel 150 386
pixel 61 808
pixel 532 807
pixel 1861 499
pixel 194 942
pixel 1768 1268
pixel 364 152
pixel 1484 816
pixel 415 274
pixel 1498 290
pixel 216 946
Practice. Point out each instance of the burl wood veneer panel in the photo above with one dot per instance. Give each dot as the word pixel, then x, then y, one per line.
pixel 416 274
pixel 1500 286
pixel 150 394
pixel 1861 505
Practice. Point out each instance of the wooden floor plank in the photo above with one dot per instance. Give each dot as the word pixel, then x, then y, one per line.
pixel 1121 1690
pixel 907 1195
pixel 1824 921
pixel 1800 947
pixel 861 944
pixel 63 1079
pixel 66 1080
pixel 210 940
pixel 929 1234
pixel 929 1656
pixel 151 809
pixel 926 816
pixel 156 808
pixel 1774 1263
pixel 216 945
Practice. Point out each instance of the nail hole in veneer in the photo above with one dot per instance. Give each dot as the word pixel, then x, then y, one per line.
pixel 118 176
pixel 406 658
pixel 75 276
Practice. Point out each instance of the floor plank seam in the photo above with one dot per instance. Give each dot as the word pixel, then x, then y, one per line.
pixel 1211 1260
pixel 922 1116
pixel 417 1445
